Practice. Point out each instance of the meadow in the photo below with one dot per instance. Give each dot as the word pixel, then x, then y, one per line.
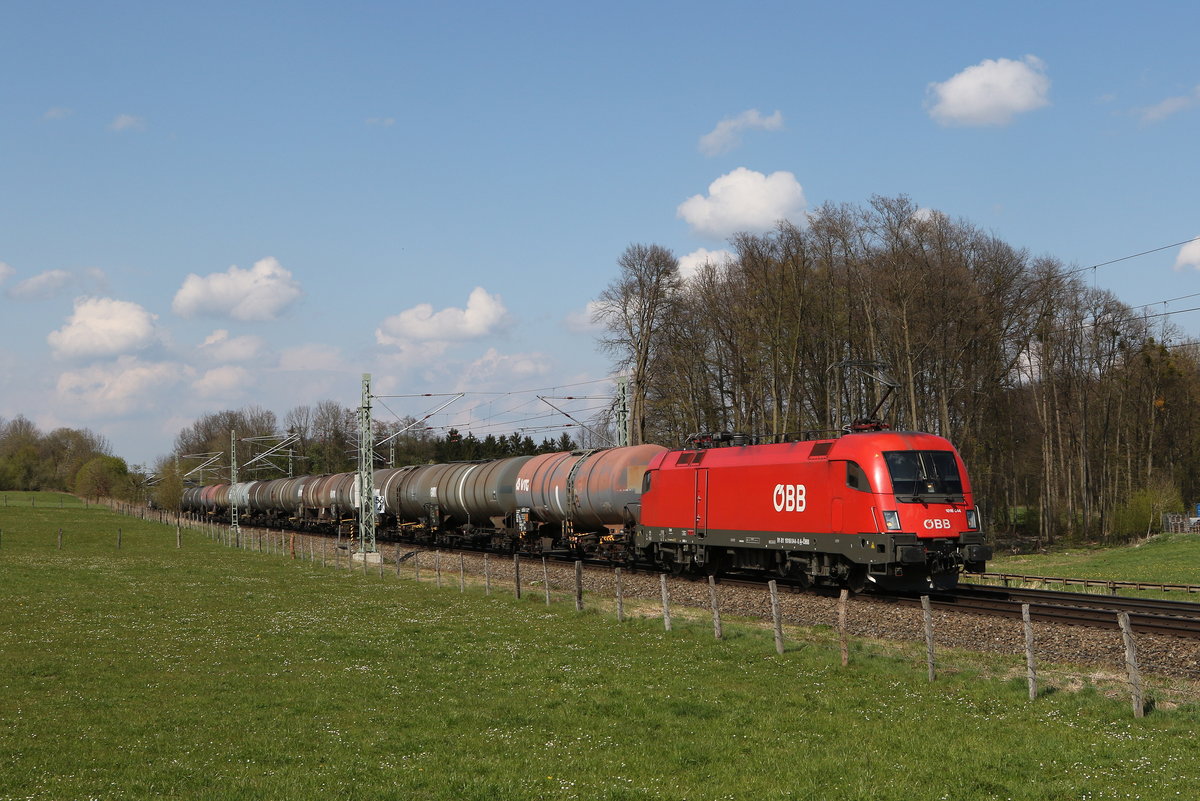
pixel 1164 559
pixel 214 673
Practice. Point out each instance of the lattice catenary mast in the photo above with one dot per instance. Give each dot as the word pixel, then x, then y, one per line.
pixel 366 472
pixel 233 480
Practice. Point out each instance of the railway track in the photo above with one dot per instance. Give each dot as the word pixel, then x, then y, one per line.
pixel 1149 616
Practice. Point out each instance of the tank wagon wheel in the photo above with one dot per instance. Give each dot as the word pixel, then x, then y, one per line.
pixel 716 565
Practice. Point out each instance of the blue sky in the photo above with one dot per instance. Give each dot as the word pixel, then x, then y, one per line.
pixel 205 206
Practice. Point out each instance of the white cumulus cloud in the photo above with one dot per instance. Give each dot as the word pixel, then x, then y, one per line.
pixel 112 389
pixel 223 382
pixel 496 366
pixel 691 264
pixel 991 92
pixel 263 292
pixel 1172 105
pixel 41 286
pixel 744 200
pixel 484 315
pixel 728 133
pixel 1189 256
pixel 220 347
pixel 97 277
pixel 6 272
pixel 127 122
pixel 101 327
pixel 55 283
pixel 583 321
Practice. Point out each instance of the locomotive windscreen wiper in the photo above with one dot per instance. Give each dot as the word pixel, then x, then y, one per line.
pixel 924 476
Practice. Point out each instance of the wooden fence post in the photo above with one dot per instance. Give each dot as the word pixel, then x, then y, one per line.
pixel 927 613
pixel 843 598
pixel 60 539
pixel 546 580
pixel 1131 665
pixel 775 616
pixel 398 560
pixel 517 576
pixel 666 601
pixel 178 537
pixel 620 596
pixel 578 586
pixel 1030 668
pixel 417 566
pixel 437 567
pixel 118 539
pixel 487 576
pixel 716 609
pixel 462 579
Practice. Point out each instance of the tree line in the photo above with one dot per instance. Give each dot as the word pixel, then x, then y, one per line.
pixel 67 459
pixel 1077 414
pixel 1077 418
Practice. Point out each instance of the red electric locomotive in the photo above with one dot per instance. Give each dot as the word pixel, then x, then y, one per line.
pixel 888 507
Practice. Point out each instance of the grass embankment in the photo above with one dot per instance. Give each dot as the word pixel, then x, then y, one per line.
pixel 206 672
pixel 1165 559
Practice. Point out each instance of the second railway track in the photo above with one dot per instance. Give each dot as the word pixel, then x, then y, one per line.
pixel 1150 616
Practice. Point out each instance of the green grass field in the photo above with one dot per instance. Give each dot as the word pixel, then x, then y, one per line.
pixel 1165 559
pixel 207 672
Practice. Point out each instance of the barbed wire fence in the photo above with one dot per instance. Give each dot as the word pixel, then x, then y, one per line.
pixel 1149 671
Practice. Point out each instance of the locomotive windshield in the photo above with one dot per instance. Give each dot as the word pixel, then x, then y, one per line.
pixel 923 475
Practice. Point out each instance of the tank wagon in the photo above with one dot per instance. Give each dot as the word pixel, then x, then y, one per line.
pixel 872 506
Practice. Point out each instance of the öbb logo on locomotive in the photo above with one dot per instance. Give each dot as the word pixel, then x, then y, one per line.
pixel 790 498
pixel 862 507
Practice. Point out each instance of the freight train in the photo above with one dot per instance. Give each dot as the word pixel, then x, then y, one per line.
pixel 872 506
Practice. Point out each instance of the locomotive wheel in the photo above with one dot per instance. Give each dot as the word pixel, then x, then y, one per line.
pixel 943 581
pixel 856 579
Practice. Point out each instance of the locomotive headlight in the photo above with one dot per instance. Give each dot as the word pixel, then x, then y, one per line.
pixel 891 520
pixel 972 519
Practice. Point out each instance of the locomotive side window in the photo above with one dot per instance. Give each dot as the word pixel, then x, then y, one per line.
pixel 918 474
pixel 856 477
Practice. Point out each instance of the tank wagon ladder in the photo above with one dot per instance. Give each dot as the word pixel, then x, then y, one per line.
pixel 568 526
